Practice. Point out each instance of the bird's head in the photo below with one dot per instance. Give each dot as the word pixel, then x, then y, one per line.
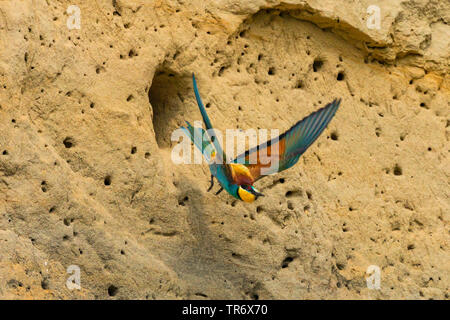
pixel 248 193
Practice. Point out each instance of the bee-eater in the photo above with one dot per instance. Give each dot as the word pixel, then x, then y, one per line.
pixel 278 154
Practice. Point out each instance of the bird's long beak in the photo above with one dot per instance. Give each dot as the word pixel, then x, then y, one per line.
pixel 256 193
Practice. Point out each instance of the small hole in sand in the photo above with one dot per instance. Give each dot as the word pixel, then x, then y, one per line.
pixel 107 181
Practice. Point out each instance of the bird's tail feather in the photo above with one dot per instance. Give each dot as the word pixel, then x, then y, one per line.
pixel 206 120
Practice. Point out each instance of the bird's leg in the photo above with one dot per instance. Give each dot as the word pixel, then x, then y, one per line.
pixel 212 184
pixel 220 190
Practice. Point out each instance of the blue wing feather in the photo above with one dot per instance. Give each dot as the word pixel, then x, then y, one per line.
pixel 305 132
pixel 296 140
pixel 200 140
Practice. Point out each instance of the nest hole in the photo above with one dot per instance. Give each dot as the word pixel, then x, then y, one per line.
pixel 317 64
pixel 166 96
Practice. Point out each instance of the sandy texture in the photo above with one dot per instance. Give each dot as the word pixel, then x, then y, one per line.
pixel 86 176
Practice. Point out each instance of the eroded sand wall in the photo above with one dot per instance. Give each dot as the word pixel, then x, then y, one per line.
pixel 86 176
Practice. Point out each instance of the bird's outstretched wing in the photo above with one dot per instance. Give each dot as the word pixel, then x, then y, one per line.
pixel 205 140
pixel 201 140
pixel 284 151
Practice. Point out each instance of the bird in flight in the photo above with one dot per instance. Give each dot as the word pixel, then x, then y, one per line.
pixel 238 176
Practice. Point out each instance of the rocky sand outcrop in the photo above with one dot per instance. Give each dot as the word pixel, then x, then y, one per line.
pixel 86 177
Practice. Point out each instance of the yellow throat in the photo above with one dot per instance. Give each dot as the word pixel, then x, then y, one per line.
pixel 245 195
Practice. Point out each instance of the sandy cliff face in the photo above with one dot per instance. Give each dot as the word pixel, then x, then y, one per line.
pixel 86 177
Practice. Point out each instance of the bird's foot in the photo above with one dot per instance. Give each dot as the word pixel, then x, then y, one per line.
pixel 212 184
